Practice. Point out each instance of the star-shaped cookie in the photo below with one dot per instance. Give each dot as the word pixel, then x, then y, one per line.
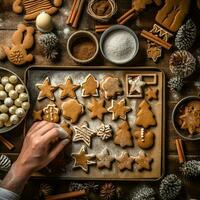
pixel 68 89
pixel 125 161
pixel 152 94
pixel 37 115
pixel 97 109
pixel 136 85
pixel 46 90
pixel 83 133
pixel 119 109
pixel 104 159
pixel 143 161
pixel 82 159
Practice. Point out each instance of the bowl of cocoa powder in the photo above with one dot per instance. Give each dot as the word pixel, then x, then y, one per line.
pixel 82 47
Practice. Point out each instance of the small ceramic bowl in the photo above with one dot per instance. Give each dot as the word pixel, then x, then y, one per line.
pixel 6 72
pixel 82 34
pixel 111 30
pixel 181 132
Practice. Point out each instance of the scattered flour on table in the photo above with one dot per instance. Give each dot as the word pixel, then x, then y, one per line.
pixel 119 46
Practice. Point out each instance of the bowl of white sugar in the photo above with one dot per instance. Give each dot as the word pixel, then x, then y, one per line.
pixel 119 44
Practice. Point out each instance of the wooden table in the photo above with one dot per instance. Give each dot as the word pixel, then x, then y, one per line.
pixel 8 24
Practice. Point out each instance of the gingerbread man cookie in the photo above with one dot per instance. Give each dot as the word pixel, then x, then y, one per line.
pixel 72 110
pixel 152 94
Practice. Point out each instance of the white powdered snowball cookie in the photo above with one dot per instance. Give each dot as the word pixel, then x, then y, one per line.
pixel 12 109
pixel 23 96
pixel 4 80
pixel 1 87
pixel 20 112
pixel 18 102
pixel 14 119
pixel 9 87
pixel 1 124
pixel 8 123
pixel 25 105
pixel 4 117
pixel 13 79
pixel 19 88
pixel 13 94
pixel 3 95
pixel 3 109
pixel 8 101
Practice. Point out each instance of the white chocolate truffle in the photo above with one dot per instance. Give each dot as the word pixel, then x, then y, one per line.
pixel 20 112
pixel 8 123
pixel 4 80
pixel 12 109
pixel 8 101
pixel 13 94
pixel 3 95
pixel 14 119
pixel 1 87
pixel 19 88
pixel 18 102
pixel 13 79
pixel 25 105
pixel 44 22
pixel 1 124
pixel 3 109
pixel 9 87
pixel 23 97
pixel 4 117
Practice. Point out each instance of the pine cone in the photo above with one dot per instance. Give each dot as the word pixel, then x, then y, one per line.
pixel 175 84
pixel 182 63
pixel 108 191
pixel 191 169
pixel 5 162
pixel 186 35
pixel 144 193
pixel 45 190
pixel 170 187
pixel 75 186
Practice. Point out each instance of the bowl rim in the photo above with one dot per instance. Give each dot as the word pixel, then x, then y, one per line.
pixel 75 35
pixel 181 102
pixel 8 129
pixel 114 28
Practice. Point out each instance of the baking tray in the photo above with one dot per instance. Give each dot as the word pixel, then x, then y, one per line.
pixel 37 74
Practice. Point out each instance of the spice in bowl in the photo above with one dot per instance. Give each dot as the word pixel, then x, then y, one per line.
pixel 82 46
pixel 119 44
pixel 102 7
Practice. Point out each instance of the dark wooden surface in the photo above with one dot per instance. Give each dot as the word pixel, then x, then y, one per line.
pixel 8 24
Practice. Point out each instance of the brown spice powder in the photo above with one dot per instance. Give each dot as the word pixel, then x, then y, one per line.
pixel 83 48
pixel 101 8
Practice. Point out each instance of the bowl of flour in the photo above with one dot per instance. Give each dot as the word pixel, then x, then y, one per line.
pixel 119 44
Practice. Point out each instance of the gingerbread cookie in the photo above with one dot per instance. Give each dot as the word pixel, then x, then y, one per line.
pixel 145 117
pixel 68 89
pixel 97 109
pixel 145 140
pixel 82 159
pixel 46 90
pixel 34 7
pixel 67 128
pixel 143 161
pixel 37 115
pixel 22 40
pixel 119 109
pixel 111 87
pixel 83 133
pixel 72 110
pixel 123 135
pixel 90 86
pixel 125 161
pixel 189 118
pixel 51 113
pixel 104 159
pixel 104 132
pixel 152 94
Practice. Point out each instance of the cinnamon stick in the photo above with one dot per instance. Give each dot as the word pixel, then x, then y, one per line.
pixel 8 144
pixel 155 39
pixel 80 9
pixel 127 18
pixel 100 30
pixel 71 11
pixel 179 147
pixel 125 15
pixel 103 26
pixel 74 12
pixel 68 195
